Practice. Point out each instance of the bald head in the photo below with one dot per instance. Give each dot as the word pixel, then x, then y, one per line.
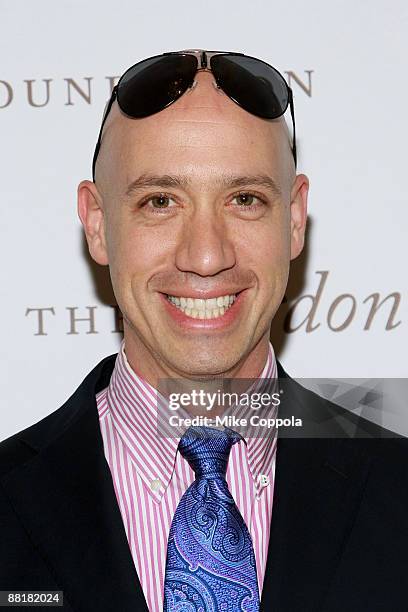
pixel 202 118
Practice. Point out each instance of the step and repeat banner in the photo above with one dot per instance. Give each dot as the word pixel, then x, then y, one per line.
pixel 344 312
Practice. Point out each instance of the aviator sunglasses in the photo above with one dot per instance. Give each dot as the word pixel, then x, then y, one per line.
pixel 154 83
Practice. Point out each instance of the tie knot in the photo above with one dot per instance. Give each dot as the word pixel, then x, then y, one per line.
pixel 207 450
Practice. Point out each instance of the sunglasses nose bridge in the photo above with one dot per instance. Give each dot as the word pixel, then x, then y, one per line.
pixel 206 69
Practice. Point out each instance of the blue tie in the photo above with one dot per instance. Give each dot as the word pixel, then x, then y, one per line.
pixel 210 564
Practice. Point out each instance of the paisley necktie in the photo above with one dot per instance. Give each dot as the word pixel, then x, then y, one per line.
pixel 210 564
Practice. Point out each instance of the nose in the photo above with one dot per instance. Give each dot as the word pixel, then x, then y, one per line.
pixel 204 247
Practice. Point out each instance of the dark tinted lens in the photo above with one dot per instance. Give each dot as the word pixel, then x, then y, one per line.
pixel 253 84
pixel 153 84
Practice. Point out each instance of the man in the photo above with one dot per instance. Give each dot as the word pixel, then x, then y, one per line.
pixel 197 201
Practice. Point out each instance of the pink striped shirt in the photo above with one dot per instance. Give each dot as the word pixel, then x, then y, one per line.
pixel 150 475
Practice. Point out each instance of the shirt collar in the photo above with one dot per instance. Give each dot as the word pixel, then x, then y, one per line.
pixel 133 407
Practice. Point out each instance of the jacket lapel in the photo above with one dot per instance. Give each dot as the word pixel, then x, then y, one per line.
pixel 318 487
pixel 65 499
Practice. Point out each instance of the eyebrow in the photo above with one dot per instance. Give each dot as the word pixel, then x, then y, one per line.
pixel 167 181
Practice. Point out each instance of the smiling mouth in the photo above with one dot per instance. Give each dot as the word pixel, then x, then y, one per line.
pixel 199 308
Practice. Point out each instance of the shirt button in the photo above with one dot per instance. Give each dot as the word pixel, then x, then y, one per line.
pixel 263 480
pixel 155 484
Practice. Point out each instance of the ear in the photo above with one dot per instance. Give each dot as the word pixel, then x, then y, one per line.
pixel 298 214
pixel 92 217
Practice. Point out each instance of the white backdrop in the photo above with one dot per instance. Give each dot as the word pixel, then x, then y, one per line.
pixel 347 65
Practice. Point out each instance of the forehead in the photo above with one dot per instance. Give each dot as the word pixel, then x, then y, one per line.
pixel 202 133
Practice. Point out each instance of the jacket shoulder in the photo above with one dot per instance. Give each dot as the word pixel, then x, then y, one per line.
pixel 330 419
pixel 23 445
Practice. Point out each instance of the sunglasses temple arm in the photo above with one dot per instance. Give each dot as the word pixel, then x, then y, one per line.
pixel 292 112
pixel 98 144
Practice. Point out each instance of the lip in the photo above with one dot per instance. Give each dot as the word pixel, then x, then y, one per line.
pixel 221 322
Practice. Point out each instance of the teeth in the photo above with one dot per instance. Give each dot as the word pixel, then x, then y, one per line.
pixel 198 308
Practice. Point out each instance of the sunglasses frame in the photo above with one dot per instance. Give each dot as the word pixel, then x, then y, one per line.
pixel 203 63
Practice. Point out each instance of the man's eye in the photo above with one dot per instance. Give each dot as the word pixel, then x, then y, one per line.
pixel 247 200
pixel 160 201
pixel 157 202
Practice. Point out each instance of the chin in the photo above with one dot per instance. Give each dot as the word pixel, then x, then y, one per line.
pixel 202 366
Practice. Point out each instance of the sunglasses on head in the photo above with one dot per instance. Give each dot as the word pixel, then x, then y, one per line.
pixel 154 83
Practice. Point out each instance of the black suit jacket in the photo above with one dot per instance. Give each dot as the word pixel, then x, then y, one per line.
pixel 338 541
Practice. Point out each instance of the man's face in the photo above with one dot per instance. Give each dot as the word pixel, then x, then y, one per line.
pixel 202 223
